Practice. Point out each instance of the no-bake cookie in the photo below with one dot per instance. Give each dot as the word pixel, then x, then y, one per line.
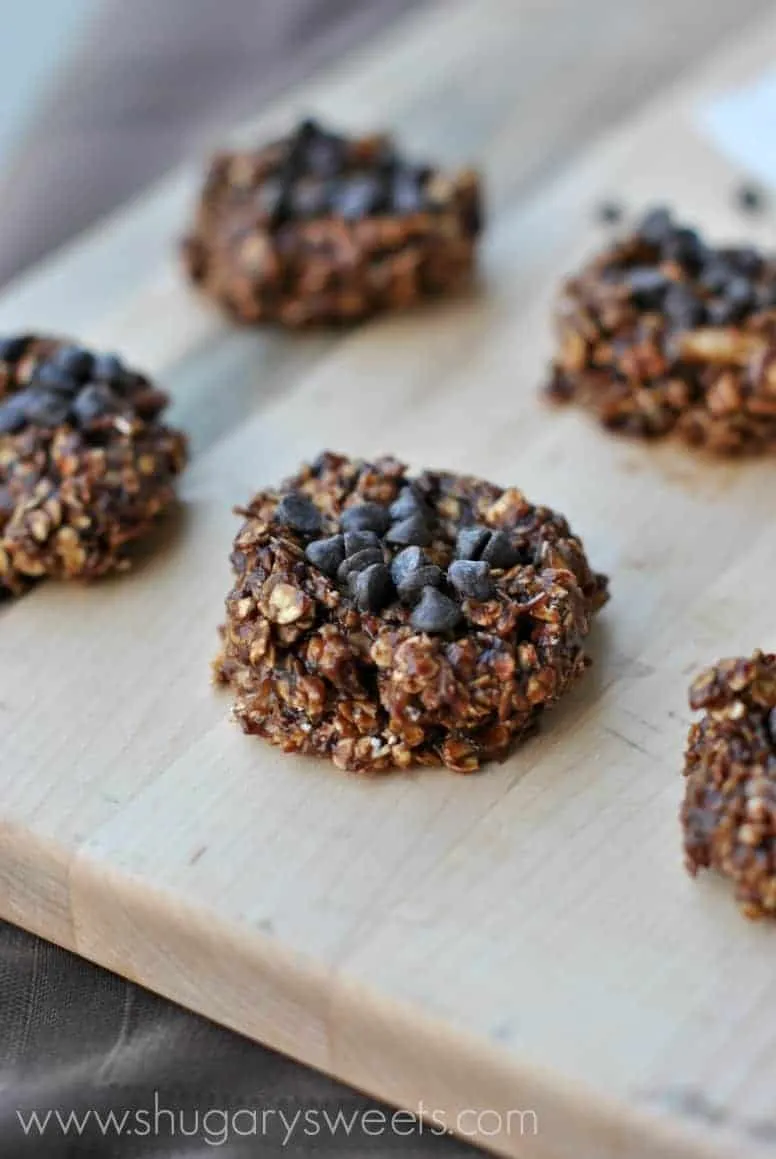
pixel 85 463
pixel 320 228
pixel 729 810
pixel 386 621
pixel 664 333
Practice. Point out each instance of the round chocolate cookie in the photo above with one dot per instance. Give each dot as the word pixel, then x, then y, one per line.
pixel 664 333
pixel 384 621
pixel 85 463
pixel 320 228
pixel 729 809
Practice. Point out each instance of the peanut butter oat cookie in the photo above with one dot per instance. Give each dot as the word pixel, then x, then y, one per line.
pixel 384 621
pixel 663 334
pixel 85 463
pixel 320 228
pixel 729 810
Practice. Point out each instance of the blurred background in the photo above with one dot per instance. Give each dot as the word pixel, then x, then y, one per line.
pixel 100 97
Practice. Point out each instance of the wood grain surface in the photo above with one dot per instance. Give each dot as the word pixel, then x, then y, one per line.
pixel 523 939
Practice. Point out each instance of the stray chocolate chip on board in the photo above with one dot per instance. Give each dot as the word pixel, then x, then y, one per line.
pixel 85 465
pixel 349 643
pixel 666 334
pixel 319 228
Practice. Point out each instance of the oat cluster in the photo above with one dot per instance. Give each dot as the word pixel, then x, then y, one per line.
pixel 318 228
pixel 384 621
pixel 85 463
pixel 729 810
pixel 664 334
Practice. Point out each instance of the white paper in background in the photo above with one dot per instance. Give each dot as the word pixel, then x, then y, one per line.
pixel 742 125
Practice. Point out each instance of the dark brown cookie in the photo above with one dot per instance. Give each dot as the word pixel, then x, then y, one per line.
pixel 384 621
pixel 320 228
pixel 729 810
pixel 663 333
pixel 85 463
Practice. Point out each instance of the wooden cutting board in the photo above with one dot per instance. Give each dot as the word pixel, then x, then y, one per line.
pixel 524 940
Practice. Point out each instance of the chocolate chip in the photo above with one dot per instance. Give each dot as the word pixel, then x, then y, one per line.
pixel 110 369
pixel 326 554
pixel 716 274
pixel 7 505
pixel 12 349
pixel 414 581
pixel 408 502
pixel 407 194
pixel 750 198
pixel 499 552
pixel 373 588
pixel 471 578
pixel 406 561
pixel 435 612
pixel 655 226
pixel 359 541
pixel 13 414
pixel 55 378
pixel 94 402
pixel 609 212
pixel 309 198
pixel 739 296
pixel 647 285
pixel 720 312
pixel 684 309
pixel 273 200
pixel 410 531
pixel 324 154
pixel 74 361
pixel 770 723
pixel 359 561
pixel 684 246
pixel 46 408
pixel 299 512
pixel 742 259
pixel 366 517
pixel 360 196
pixel 470 541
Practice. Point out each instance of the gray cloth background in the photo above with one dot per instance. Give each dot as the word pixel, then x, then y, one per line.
pixel 79 1039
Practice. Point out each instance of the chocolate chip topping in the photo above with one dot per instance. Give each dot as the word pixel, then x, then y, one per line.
pixel 373 588
pixel 366 517
pixel 472 579
pixel 358 561
pixel 406 561
pixel 414 581
pixel 320 173
pixel 435 613
pixel 770 724
pixel 408 503
pixel 406 572
pixel 647 286
pixel 326 554
pixel 67 384
pixel 499 552
pixel 412 531
pixel 470 542
pixel 297 511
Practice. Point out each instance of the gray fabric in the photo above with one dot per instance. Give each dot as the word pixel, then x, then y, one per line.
pixel 153 82
pixel 74 1038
